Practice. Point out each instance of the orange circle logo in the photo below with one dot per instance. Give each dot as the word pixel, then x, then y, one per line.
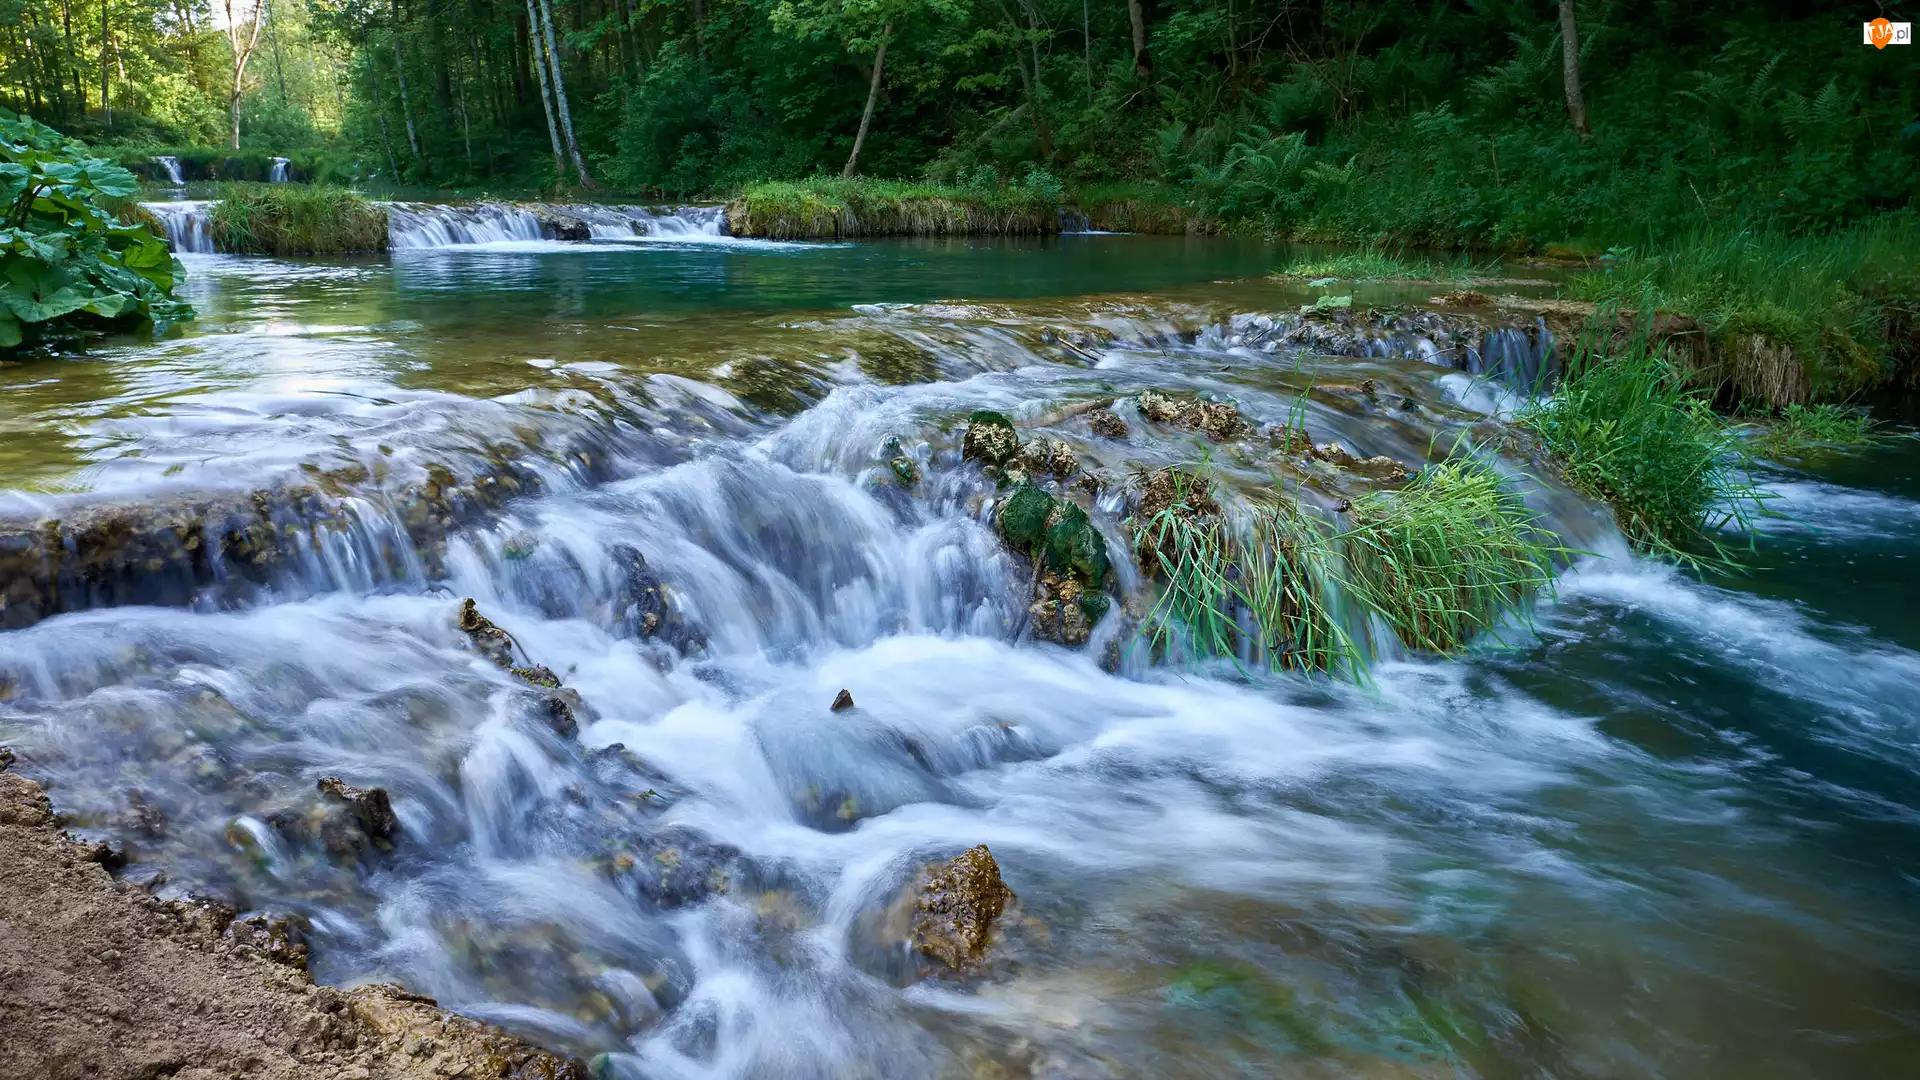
pixel 1880 33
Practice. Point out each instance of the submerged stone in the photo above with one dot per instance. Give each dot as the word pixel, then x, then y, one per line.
pixel 370 807
pixel 957 904
pixel 1107 424
pixel 990 439
pixel 487 639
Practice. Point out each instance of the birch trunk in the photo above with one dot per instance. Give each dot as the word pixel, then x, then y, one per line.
pixel 1570 69
pixel 546 96
pixel 560 96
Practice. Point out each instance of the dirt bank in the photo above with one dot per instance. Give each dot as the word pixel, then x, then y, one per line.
pixel 100 980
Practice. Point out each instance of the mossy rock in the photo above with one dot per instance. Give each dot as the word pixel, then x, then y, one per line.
pixel 1025 516
pixel 990 438
pixel 1074 545
pixel 1095 606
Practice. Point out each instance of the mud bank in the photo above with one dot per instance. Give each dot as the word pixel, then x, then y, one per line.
pixel 102 980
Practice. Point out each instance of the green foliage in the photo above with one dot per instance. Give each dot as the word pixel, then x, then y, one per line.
pixel 1625 427
pixel 66 262
pixel 1801 430
pixel 295 219
pixel 1448 556
pixel 1276 571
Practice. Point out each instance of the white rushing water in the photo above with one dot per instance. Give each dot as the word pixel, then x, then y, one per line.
pixel 172 165
pixel 279 173
pixel 186 223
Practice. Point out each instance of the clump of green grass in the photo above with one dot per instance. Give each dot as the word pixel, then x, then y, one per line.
pixel 1803 429
pixel 1443 560
pixel 828 207
pixel 1629 429
pixel 1794 317
pixel 1448 556
pixel 1375 265
pixel 295 219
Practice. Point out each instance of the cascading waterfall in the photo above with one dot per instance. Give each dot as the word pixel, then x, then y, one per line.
pixel 1219 872
pixel 172 165
pixel 279 173
pixel 429 225
pixel 187 225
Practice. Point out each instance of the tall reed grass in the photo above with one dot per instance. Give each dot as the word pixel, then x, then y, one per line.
pixel 295 219
pixel 829 207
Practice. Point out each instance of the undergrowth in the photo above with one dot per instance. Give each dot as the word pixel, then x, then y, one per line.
pixel 1813 307
pixel 295 219
pixel 1626 427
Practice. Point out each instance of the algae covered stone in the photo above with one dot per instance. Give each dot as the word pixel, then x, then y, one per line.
pixel 1025 517
pixel 1075 546
pixel 990 438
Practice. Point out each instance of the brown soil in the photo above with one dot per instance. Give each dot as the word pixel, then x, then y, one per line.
pixel 103 981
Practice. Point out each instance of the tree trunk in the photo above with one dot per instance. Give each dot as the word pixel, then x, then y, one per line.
pixel 380 110
pixel 1570 69
pixel 546 96
pixel 243 47
pixel 560 95
pixel 1142 65
pixel 106 102
pixel 279 72
pixel 406 107
pixel 873 95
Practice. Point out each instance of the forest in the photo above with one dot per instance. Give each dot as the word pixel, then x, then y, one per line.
pixel 1444 124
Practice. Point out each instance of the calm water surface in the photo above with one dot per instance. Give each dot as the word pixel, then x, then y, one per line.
pixel 1670 830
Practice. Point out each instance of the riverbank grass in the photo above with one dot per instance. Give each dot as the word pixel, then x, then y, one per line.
pixel 1374 265
pixel 296 219
pixel 833 208
pixel 1790 318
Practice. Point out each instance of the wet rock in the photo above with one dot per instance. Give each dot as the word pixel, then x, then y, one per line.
pixel 1180 492
pixel 1107 424
pixel 957 904
pixel 842 701
pixel 6 758
pixel 676 867
pixel 900 463
pixel 1024 518
pixel 280 938
pixel 643 605
pixel 1379 467
pixel 990 439
pixel 1289 439
pixel 370 808
pixel 1075 547
pixel 487 639
pixel 1464 298
pixel 1063 612
pixel 1050 456
pixel 1219 419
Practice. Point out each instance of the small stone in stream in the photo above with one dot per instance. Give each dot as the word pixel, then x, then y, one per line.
pixel 957 904
pixel 520 545
pixel 1289 439
pixel 990 439
pixel 904 469
pixel 1060 612
pixel 280 938
pixel 6 758
pixel 537 676
pixel 1107 424
pixel 489 640
pixel 842 701
pixel 370 807
pixel 1050 456
pixel 1075 546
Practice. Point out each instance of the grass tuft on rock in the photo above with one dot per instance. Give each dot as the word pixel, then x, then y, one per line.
pixel 1447 557
pixel 296 219
pixel 1628 429
pixel 830 207
pixel 1800 430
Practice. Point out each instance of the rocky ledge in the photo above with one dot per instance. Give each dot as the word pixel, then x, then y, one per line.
pixel 101 980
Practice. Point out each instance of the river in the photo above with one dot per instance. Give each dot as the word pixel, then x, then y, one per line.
pixel 1668 828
